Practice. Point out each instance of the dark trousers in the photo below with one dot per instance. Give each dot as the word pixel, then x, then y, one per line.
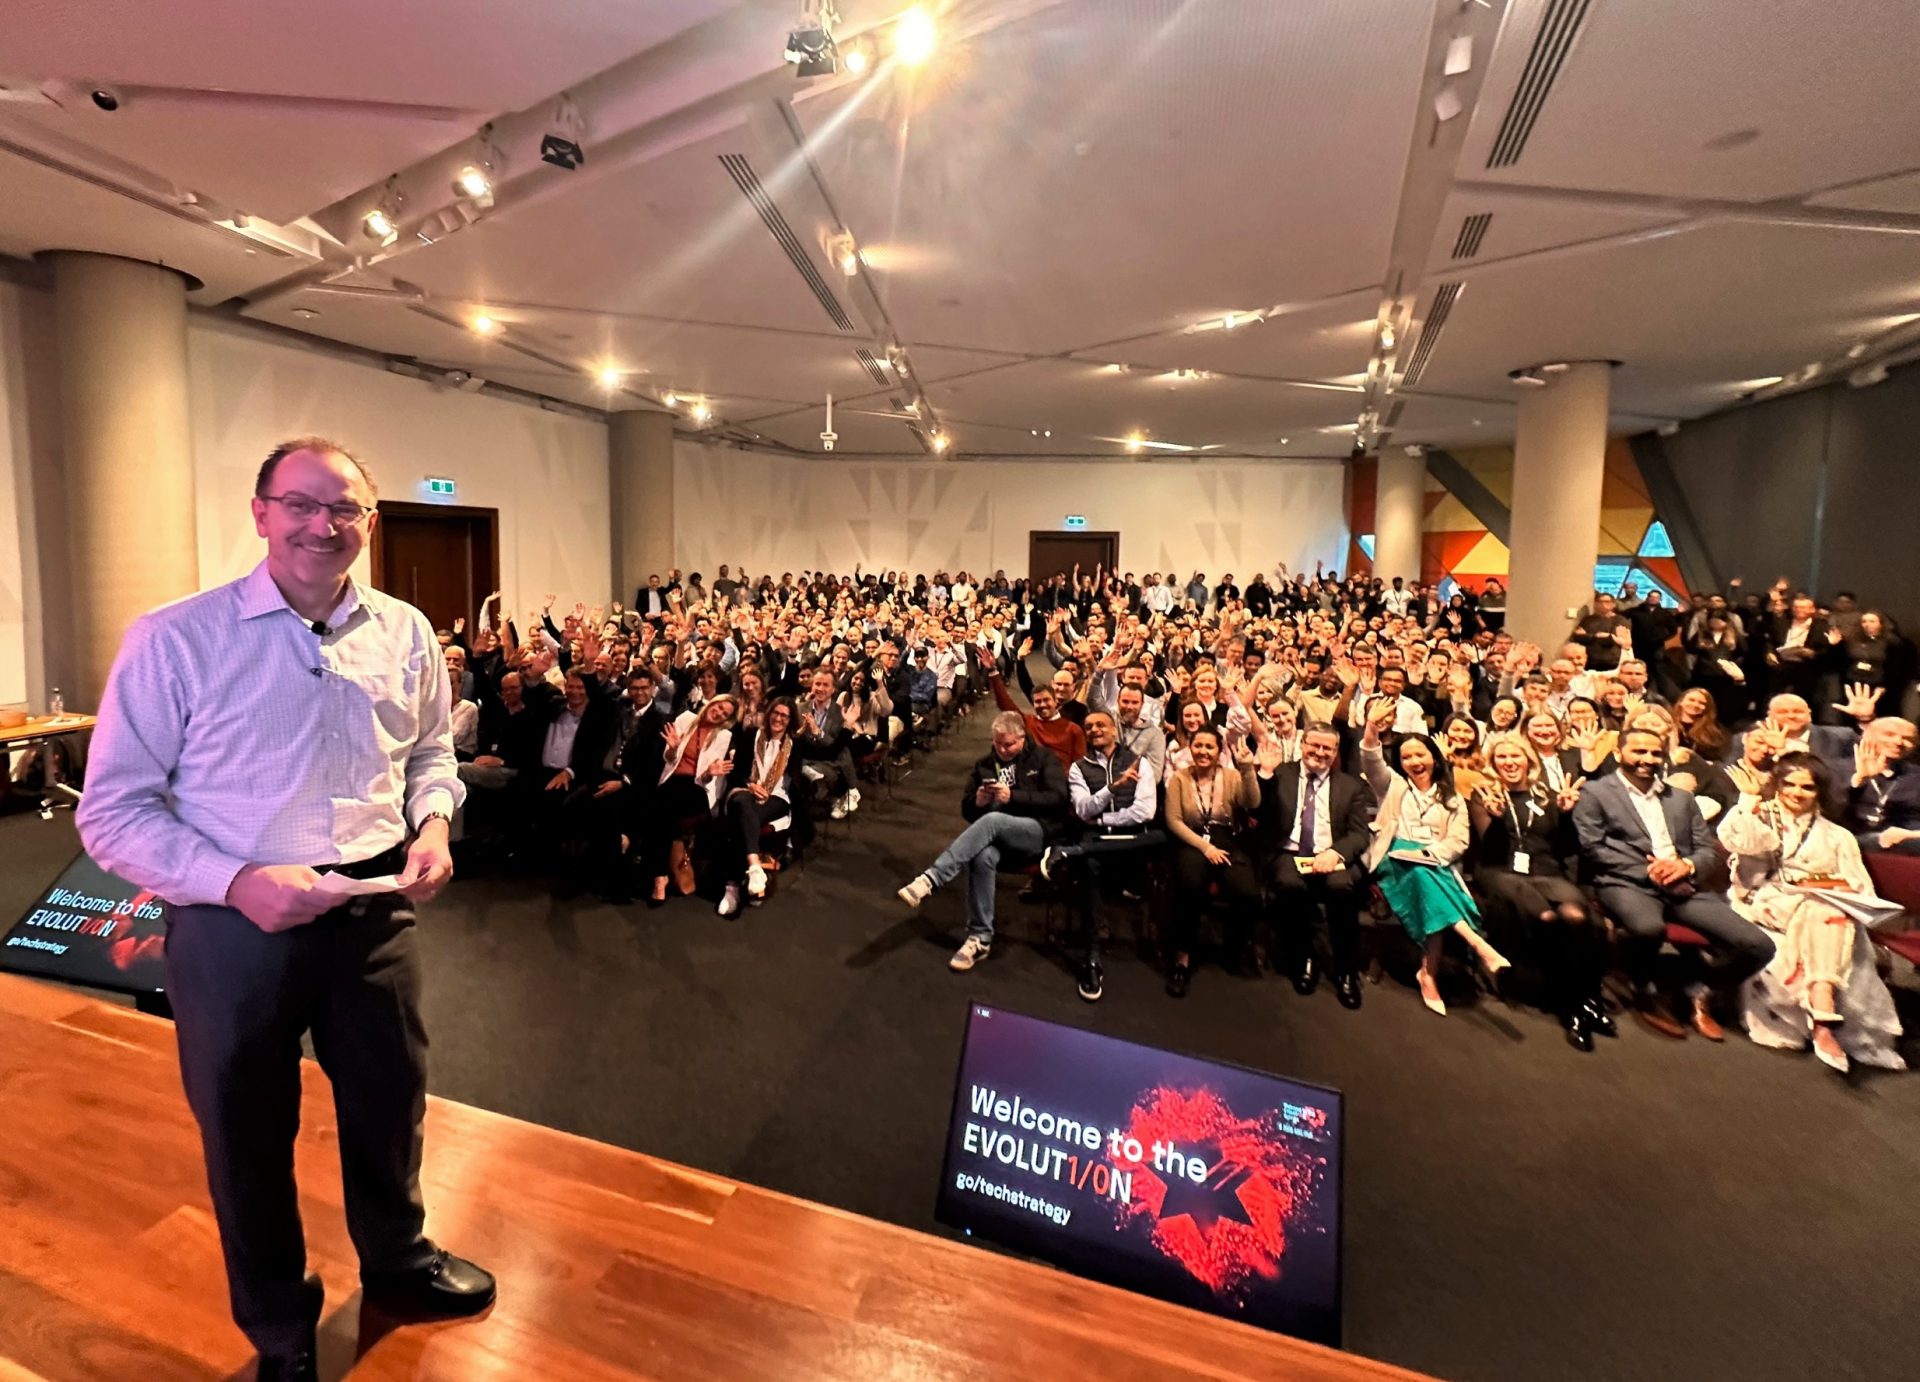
pixel 747 816
pixel 1239 892
pixel 1739 949
pixel 677 799
pixel 1094 856
pixel 242 999
pixel 1297 896
pixel 1572 953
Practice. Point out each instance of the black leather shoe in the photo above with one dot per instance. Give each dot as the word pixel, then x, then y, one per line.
pixel 1346 987
pixel 1579 1030
pixel 1597 1020
pixel 1306 978
pixel 1091 985
pixel 1179 979
pixel 446 1285
pixel 297 1367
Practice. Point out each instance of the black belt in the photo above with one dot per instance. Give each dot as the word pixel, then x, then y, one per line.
pixel 380 866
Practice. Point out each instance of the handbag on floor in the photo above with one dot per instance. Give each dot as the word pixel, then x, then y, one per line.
pixel 680 867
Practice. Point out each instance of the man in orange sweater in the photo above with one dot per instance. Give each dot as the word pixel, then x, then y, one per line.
pixel 1045 725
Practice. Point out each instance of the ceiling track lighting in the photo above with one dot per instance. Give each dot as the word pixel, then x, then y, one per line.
pixel 915 37
pixel 858 57
pixel 560 146
pixel 941 441
pixel 844 253
pixel 477 178
pixel 810 44
pixel 383 222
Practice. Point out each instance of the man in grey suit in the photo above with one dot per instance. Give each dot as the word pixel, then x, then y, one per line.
pixel 1646 846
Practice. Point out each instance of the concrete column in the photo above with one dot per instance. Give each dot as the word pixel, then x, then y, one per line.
pixel 120 337
pixel 1559 462
pixel 1399 515
pixel 640 472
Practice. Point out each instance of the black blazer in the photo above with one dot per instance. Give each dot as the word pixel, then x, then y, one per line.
pixel 599 726
pixel 1352 805
pixel 643 753
pixel 1540 829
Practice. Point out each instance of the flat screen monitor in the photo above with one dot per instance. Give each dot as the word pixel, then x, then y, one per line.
pixel 91 927
pixel 1206 1184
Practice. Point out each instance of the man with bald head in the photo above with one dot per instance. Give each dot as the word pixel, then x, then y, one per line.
pixel 235 798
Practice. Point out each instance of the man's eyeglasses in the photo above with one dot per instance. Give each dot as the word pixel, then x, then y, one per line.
pixel 302 509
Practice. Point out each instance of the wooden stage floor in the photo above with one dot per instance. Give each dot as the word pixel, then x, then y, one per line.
pixel 612 1265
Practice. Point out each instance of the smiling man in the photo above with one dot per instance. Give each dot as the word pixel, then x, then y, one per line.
pixel 232 798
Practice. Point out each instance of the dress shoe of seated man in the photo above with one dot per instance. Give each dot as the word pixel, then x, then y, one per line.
pixel 1646 845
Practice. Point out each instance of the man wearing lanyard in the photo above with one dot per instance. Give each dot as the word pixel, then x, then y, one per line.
pixel 233 797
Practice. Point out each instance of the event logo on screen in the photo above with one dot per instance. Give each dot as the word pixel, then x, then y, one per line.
pixel 92 927
pixel 1150 1168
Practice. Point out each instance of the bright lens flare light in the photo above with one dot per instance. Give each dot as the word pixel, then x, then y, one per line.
pixel 915 37
pixel 471 181
pixel 610 377
pixel 701 413
pixel 940 442
pixel 857 60
pixel 484 325
pixel 1136 442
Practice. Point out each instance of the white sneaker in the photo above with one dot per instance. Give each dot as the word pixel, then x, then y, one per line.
pixel 919 888
pixel 730 901
pixel 840 809
pixel 853 800
pixel 971 952
pixel 756 882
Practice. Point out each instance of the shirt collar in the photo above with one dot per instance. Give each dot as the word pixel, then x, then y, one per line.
pixel 1652 794
pixel 259 595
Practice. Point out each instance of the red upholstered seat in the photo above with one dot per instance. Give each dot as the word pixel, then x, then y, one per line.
pixel 1684 935
pixel 1905 944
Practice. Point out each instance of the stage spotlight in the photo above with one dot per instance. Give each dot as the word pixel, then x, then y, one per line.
pixel 940 441
pixel 610 377
pixel 700 413
pixel 561 147
pixel 483 325
pixel 858 59
pixel 383 222
pixel 915 37
pixel 1136 442
pixel 810 45
pixel 475 179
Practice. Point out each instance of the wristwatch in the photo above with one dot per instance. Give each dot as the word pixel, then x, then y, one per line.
pixel 433 816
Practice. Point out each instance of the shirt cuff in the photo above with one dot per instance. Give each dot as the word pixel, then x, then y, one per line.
pixel 438 800
pixel 209 879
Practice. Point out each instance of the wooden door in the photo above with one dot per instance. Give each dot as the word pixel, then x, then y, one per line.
pixel 441 560
pixel 1051 553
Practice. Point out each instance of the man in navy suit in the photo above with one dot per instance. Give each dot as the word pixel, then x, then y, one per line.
pixel 1646 846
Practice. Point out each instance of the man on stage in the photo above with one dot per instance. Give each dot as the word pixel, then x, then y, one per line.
pixel 253 739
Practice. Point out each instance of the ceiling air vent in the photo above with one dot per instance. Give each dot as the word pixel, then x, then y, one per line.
pixel 1430 331
pixel 1559 26
pixel 1472 231
pixel 748 182
pixel 871 365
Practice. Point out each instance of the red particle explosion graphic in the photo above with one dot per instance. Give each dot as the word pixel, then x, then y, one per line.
pixel 1232 1228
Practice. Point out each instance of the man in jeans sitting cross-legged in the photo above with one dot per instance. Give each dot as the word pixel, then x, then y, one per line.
pixel 1016 799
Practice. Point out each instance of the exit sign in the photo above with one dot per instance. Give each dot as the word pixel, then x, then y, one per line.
pixel 437 484
pixel 1076 520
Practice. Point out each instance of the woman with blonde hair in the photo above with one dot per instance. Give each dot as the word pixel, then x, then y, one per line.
pixel 697 758
pixel 1524 859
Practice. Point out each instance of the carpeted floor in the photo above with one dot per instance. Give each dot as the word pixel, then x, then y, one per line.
pixel 1515 1211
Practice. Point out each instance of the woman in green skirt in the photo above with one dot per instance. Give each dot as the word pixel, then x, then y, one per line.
pixel 1420 834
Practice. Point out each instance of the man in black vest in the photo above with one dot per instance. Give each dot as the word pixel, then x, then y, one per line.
pixel 1315 823
pixel 1114 795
